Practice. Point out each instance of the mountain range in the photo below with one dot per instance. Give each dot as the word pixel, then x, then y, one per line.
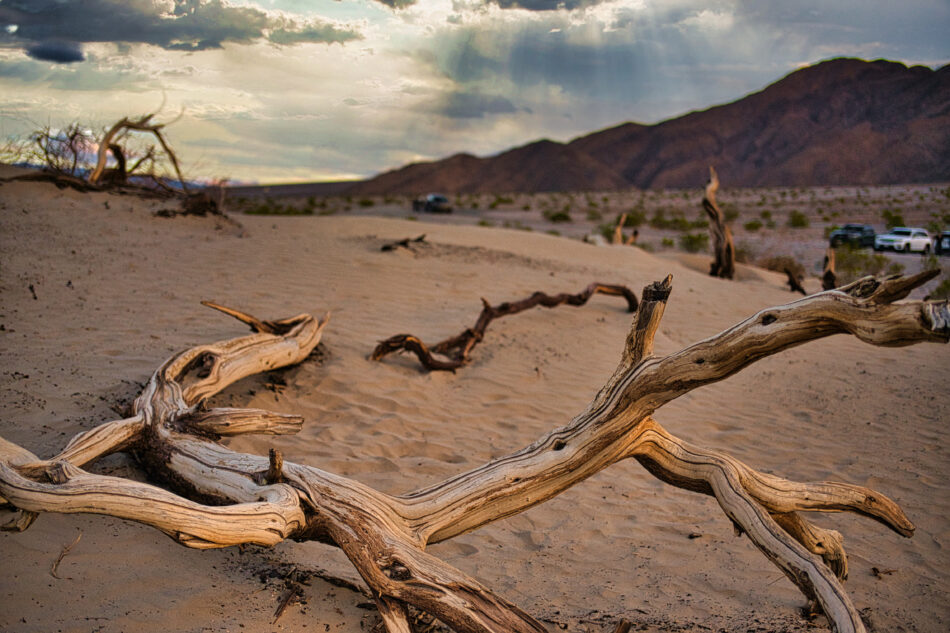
pixel 838 122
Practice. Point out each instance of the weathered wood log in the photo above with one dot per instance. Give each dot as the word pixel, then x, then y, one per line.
pixel 458 348
pixel 829 279
pixel 724 252
pixel 229 497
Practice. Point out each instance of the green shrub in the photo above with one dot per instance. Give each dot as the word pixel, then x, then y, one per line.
pixel 781 263
pixel 893 218
pixel 730 213
pixel 744 253
pixel 484 222
pixel 499 200
pixel 667 242
pixel 594 215
pixel 752 225
pixel 797 220
pixel 694 242
pixel 942 291
pixel 677 221
pixel 557 216
pixel 852 263
pixel 366 202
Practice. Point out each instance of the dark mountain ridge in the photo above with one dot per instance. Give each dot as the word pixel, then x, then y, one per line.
pixel 839 122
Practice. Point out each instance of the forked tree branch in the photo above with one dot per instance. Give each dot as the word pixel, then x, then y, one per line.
pixel 229 497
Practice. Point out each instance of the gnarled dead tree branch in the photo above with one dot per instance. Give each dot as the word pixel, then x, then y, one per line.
pixel 724 264
pixel 458 348
pixel 108 143
pixel 224 497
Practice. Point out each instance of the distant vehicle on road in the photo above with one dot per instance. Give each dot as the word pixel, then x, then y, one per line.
pixel 942 243
pixel 904 240
pixel 859 235
pixel 432 203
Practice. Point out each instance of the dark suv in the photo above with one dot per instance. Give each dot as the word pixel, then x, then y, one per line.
pixel 432 203
pixel 859 235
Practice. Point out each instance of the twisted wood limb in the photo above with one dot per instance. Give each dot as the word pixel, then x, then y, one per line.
pixel 724 264
pixel 385 536
pixel 458 348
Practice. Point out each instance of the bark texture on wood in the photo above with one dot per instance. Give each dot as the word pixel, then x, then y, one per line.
pixel 724 252
pixel 458 349
pixel 224 497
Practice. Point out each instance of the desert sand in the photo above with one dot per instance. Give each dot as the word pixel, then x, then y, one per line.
pixel 97 292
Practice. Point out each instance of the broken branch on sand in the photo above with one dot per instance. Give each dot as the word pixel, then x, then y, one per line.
pixel 457 349
pixel 227 498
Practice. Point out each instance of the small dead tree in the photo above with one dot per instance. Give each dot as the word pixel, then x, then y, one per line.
pixel 724 252
pixel 109 143
pixel 241 498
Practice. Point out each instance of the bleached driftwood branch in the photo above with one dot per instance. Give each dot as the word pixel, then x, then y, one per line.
pixel 226 497
pixel 457 349
pixel 724 264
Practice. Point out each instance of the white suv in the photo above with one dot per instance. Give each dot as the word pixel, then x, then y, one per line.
pixel 903 240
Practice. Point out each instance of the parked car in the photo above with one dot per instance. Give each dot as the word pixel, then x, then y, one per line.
pixel 432 203
pixel 942 243
pixel 904 240
pixel 859 235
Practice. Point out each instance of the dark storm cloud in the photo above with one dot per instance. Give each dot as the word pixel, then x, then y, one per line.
pixel 469 105
pixel 545 5
pixel 191 25
pixel 474 105
pixel 397 4
pixel 59 52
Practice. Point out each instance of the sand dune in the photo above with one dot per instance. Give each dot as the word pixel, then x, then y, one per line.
pixel 118 290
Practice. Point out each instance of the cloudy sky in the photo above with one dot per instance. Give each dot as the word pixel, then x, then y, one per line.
pixel 291 90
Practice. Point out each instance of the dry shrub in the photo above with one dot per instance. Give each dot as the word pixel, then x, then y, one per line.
pixel 781 263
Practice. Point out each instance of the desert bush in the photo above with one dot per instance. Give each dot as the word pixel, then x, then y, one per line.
pixel 594 215
pixel 677 221
pixel 779 263
pixel 366 202
pixel 694 242
pixel 797 220
pixel 752 225
pixel 892 218
pixel 557 216
pixel 500 200
pixel 730 212
pixel 942 291
pixel 745 253
pixel 269 207
pixel 852 263
pixel 635 218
